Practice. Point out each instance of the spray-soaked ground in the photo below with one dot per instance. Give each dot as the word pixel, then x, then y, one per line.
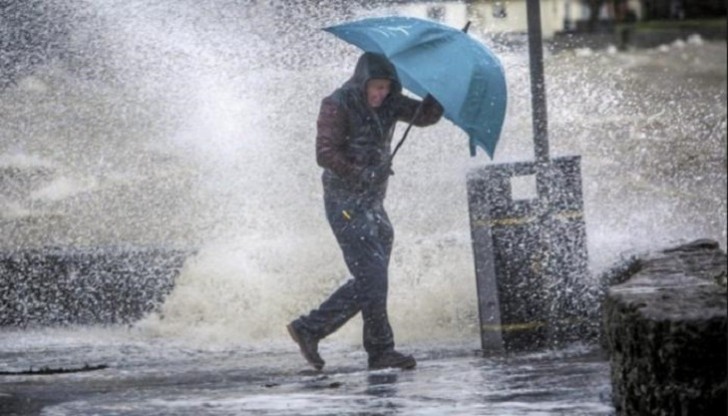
pixel 178 123
pixel 156 377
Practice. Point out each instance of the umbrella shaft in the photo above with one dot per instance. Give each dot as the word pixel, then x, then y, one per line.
pixel 538 84
pixel 409 127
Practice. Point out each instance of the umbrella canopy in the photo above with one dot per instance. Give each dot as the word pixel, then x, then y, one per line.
pixel 431 58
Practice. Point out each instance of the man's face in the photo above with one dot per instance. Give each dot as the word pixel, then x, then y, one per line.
pixel 377 91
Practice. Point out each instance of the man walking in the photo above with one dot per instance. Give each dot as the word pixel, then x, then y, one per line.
pixel 353 145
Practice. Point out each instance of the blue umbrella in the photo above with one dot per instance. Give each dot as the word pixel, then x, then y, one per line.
pixel 431 58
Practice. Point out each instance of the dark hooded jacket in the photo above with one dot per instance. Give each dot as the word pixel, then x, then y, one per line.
pixel 353 136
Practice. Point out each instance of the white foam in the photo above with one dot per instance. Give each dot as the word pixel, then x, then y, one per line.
pixel 64 187
pixel 695 40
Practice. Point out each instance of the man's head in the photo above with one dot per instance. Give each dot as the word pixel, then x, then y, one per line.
pixel 376 78
pixel 377 90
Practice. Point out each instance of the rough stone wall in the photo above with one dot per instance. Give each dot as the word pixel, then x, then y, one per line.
pixel 111 285
pixel 665 331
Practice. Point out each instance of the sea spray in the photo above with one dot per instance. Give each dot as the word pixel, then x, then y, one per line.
pixel 189 124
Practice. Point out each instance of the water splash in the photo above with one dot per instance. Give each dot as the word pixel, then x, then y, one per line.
pixel 191 124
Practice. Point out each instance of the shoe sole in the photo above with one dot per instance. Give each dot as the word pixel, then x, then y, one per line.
pixel 294 335
pixel 405 365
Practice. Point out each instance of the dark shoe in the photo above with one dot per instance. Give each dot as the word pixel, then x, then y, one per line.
pixel 308 346
pixel 392 359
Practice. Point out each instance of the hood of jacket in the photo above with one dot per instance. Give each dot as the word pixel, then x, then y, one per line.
pixel 371 66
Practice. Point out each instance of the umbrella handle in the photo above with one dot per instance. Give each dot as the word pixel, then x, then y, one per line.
pixel 406 132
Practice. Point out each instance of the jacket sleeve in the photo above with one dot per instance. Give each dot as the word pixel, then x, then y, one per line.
pixel 430 114
pixel 331 139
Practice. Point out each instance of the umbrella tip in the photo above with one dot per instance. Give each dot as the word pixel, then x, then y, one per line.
pixel 467 26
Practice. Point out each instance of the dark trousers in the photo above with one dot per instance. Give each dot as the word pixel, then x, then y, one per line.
pixel 365 236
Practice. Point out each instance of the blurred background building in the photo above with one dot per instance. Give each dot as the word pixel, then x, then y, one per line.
pixel 506 16
pixel 35 31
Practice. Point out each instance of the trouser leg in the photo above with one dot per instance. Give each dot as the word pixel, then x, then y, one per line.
pixel 371 258
pixel 334 312
pixel 366 242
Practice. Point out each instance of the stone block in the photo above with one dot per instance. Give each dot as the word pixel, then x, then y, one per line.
pixel 665 332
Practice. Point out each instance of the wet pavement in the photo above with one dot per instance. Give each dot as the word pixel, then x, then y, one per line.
pixel 150 377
